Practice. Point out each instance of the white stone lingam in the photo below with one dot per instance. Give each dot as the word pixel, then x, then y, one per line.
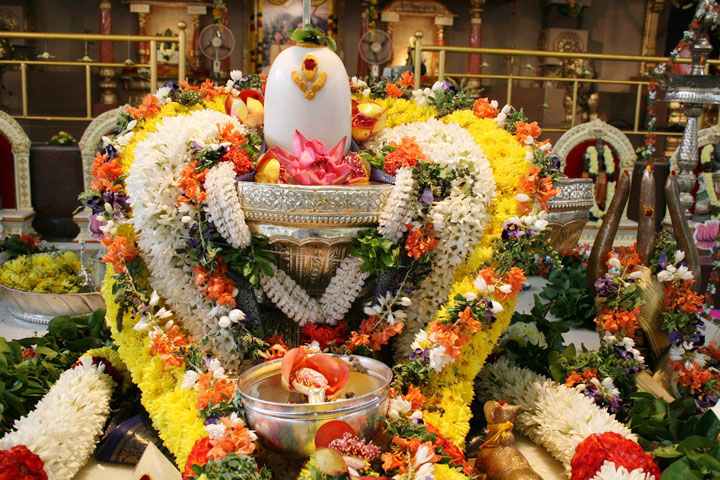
pixel 308 90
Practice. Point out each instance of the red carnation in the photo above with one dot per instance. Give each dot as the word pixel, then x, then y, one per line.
pixel 325 335
pixel 198 456
pixel 596 449
pixel 19 463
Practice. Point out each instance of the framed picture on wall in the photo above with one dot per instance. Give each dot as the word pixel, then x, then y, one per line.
pixel 274 22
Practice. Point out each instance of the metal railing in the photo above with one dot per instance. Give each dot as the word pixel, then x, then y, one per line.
pixel 152 64
pixel 510 78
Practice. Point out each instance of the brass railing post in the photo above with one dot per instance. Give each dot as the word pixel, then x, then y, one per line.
pixel 638 102
pixel 153 66
pixel 441 65
pixel 23 88
pixel 418 59
pixel 88 92
pixel 182 46
pixel 574 103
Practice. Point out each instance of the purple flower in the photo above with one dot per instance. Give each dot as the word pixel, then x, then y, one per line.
pixel 605 286
pixel 427 196
pixel 95 223
pixel 512 230
pixel 675 337
pixel 110 151
pixel 663 260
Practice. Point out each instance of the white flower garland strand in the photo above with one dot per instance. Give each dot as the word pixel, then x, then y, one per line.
pixel 296 304
pixel 459 220
pixel 396 213
pixel 153 193
pixel 551 415
pixel 343 290
pixel 67 422
pixel 223 205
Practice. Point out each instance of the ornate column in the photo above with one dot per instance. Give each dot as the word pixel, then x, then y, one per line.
pixel 475 39
pixel 108 85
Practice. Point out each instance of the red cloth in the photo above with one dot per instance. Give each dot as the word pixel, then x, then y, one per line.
pixel 7 175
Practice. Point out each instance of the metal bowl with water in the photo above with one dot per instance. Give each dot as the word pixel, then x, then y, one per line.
pixel 291 427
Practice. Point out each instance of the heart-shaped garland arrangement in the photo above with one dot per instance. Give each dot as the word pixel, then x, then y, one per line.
pixel 183 190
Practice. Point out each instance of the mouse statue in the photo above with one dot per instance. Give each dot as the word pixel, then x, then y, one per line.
pixel 497 456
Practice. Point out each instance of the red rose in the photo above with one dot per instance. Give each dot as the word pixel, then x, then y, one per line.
pixel 596 449
pixel 19 463
pixel 198 456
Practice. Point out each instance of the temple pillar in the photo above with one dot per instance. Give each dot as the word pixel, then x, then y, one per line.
pixel 475 39
pixel 108 85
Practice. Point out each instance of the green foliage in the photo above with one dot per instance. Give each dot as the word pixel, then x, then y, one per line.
pixel 683 440
pixel 534 356
pixel 252 262
pixel 448 101
pixel 414 372
pixel 377 253
pixel 313 35
pixel 405 428
pixel 570 298
pixel 531 253
pixel 25 379
pixel 377 158
pixel 187 98
pixel 232 467
pixel 14 246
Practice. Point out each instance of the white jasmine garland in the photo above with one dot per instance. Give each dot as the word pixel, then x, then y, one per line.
pixel 67 421
pixel 458 220
pixel 153 193
pixel 397 211
pixel 290 298
pixel 223 205
pixel 551 415
pixel 343 290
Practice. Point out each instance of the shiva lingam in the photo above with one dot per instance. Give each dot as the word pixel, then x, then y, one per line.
pixel 288 401
pixel 309 214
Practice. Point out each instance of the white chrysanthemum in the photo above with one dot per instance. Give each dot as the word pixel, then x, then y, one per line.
pixel 223 205
pixel 610 471
pixel 459 219
pixel 551 415
pixel 66 423
pixel 153 193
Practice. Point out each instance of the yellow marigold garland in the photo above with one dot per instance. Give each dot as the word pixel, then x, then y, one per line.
pixel 399 111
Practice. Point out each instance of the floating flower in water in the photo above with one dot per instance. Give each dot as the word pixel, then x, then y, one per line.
pixel 311 163
pixel 316 375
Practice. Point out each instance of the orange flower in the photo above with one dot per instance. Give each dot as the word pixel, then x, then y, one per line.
pixel 482 108
pixel 406 154
pixel 230 135
pixel 241 159
pixel 106 173
pixel 682 298
pixel 213 391
pixel 169 345
pixel 192 184
pixel 447 336
pixel 393 461
pixel 467 323
pixel 150 106
pixel 420 241
pixel 216 285
pixel 407 79
pixel 535 186
pixel 207 89
pixel 619 321
pixel 392 90
pixel 693 378
pixel 516 278
pixel 712 350
pixel 357 340
pixel 488 274
pixel 120 250
pixel 382 337
pixel 236 439
pixel 415 397
pixel 573 379
pixel 274 352
pixel 524 132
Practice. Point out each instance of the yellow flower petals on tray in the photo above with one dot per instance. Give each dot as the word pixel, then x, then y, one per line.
pixel 443 471
pixel 172 409
pixel 54 272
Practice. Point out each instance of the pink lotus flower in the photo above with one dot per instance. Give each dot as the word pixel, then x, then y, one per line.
pixel 706 234
pixel 311 163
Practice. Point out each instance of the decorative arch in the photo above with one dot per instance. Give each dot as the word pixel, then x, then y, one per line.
pixel 590 131
pixel 20 146
pixel 101 126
